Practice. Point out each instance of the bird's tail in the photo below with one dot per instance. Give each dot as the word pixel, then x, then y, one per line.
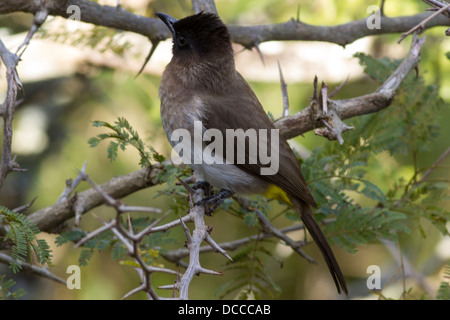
pixel 306 213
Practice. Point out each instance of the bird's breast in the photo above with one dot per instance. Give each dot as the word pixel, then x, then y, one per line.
pixel 180 111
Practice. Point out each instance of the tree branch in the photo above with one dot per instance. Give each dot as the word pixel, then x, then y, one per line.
pixel 380 99
pixel 8 164
pixel 42 272
pixel 50 218
pixel 248 36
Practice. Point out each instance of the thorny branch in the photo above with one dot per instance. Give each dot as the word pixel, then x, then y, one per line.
pixel 131 241
pixel 128 238
pixel 247 36
pixel 443 9
pixel 7 109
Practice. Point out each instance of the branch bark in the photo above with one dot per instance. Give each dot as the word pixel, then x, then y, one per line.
pixel 248 36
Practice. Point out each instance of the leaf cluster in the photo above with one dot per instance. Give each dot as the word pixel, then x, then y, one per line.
pixel 122 135
pixel 22 233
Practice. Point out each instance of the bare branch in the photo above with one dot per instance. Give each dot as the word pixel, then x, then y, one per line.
pixel 435 165
pixel 382 98
pixel 49 218
pixel 338 88
pixel 154 29
pixel 342 34
pixel 8 164
pixel 10 60
pixel 25 207
pixel 268 228
pixel 421 26
pixel 42 272
pixel 409 270
pixel 95 233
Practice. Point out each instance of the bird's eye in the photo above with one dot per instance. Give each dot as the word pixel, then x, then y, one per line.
pixel 181 41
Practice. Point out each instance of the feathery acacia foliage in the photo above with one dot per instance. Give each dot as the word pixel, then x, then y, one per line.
pixel 22 233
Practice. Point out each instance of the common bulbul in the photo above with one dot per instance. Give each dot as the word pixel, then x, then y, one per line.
pixel 201 85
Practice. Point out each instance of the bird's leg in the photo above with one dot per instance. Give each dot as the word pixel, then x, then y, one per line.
pixel 202 184
pixel 212 202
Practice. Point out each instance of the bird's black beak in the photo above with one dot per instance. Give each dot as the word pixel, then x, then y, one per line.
pixel 168 20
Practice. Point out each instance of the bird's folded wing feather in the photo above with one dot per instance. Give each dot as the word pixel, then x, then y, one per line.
pixel 242 110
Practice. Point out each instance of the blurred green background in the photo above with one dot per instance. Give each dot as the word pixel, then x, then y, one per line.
pixel 73 75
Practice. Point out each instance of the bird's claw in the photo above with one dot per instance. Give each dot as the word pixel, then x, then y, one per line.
pixel 211 203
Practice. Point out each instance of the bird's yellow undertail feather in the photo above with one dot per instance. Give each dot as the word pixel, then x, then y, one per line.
pixel 275 192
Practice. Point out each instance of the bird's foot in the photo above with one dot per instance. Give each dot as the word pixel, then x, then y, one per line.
pixel 211 203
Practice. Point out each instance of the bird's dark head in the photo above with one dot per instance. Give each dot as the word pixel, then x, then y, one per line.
pixel 199 38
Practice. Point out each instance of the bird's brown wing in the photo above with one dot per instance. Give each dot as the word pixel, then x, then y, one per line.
pixel 241 109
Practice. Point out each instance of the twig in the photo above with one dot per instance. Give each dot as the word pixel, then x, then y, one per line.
pixel 435 165
pixel 338 88
pixel 42 272
pixel 268 228
pixel 49 218
pixel 95 233
pixel 178 254
pixel 421 26
pixel 334 127
pixel 25 207
pixel 407 267
pixel 436 5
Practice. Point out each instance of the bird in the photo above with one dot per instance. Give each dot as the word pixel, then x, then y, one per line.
pixel 201 89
